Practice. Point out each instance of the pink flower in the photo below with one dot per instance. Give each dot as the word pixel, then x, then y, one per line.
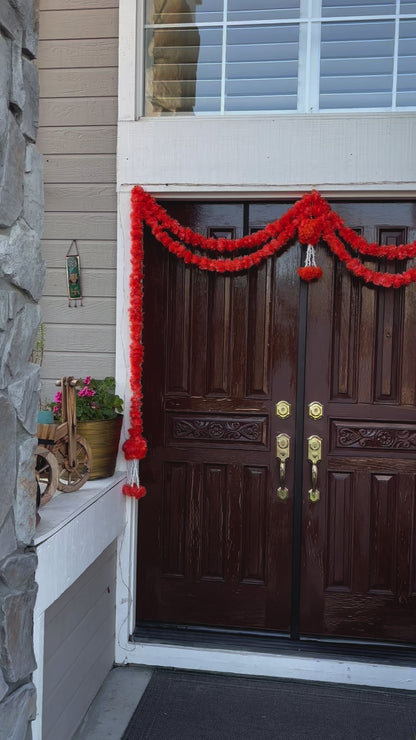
pixel 58 397
pixel 56 410
pixel 86 393
pixel 87 380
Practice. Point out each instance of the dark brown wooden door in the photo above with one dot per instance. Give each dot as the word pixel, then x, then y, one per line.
pixel 359 553
pixel 217 546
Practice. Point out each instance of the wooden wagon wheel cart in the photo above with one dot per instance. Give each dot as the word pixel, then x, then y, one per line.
pixel 63 457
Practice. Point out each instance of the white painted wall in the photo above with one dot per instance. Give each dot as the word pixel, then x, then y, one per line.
pixel 262 156
pixel 79 647
pixel 74 618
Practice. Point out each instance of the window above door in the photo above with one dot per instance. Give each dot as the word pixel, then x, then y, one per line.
pixel 219 57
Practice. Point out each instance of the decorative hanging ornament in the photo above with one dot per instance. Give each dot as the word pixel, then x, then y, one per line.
pixel 310 271
pixel 73 275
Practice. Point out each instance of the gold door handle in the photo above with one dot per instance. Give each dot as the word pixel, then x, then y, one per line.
pixel 314 494
pixel 314 456
pixel 282 454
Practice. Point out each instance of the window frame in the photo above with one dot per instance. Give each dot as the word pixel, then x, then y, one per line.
pixel 310 23
pixel 255 155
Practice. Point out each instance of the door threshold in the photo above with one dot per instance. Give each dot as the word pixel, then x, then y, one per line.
pixel 274 643
pixel 232 652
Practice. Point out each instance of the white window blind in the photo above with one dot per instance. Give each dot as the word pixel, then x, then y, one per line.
pixel 406 62
pixel 261 70
pixel 356 64
pixel 226 56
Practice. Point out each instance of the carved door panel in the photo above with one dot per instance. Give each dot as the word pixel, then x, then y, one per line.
pixel 217 546
pixel 215 541
pixel 358 550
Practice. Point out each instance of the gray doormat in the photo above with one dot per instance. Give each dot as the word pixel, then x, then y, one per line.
pixel 189 705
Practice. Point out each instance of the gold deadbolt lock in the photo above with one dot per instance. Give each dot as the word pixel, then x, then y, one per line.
pixel 316 410
pixel 283 409
pixel 314 449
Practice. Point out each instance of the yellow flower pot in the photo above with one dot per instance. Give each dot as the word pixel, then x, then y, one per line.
pixel 103 438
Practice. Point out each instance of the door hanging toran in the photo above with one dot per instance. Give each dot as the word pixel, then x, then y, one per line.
pixel 311 221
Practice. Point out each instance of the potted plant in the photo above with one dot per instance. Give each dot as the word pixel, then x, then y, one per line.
pixel 45 415
pixel 99 421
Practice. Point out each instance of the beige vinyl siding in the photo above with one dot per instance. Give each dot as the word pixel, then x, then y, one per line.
pixel 77 60
pixel 80 23
pixel 79 647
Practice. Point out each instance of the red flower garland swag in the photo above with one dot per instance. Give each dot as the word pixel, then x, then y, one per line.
pixel 310 220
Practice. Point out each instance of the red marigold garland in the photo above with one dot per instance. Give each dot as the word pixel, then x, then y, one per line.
pixel 311 219
pixel 135 446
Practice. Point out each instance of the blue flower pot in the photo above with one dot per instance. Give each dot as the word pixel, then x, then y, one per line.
pixel 45 417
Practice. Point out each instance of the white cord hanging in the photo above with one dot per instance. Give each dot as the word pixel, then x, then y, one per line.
pixel 310 256
pixel 133 473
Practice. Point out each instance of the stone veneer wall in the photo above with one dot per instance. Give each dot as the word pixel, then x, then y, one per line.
pixel 21 282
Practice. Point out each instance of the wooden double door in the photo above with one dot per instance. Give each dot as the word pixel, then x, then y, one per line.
pixel 219 544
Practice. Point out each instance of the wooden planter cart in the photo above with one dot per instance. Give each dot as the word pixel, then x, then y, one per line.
pixel 63 457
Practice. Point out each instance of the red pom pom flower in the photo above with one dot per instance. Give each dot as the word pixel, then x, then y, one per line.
pixel 310 231
pixel 310 273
